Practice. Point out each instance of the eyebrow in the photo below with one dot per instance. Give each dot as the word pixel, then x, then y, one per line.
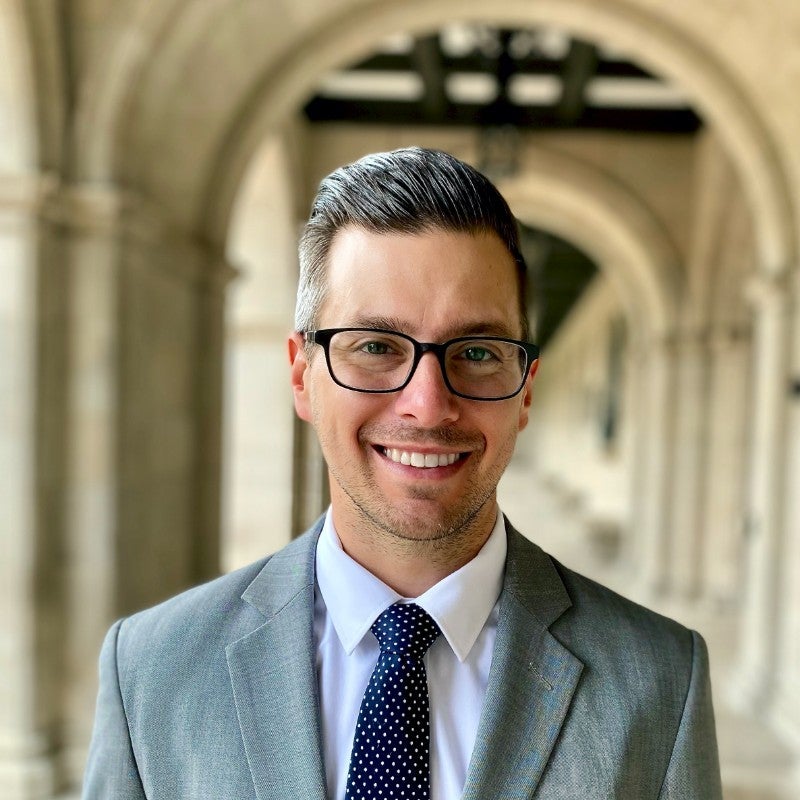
pixel 484 328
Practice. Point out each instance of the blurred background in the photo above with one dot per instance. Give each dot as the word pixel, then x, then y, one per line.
pixel 156 163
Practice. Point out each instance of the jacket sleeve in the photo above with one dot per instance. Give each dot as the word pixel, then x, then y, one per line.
pixel 111 770
pixel 693 771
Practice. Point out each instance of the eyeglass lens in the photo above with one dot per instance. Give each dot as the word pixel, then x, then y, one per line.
pixel 382 362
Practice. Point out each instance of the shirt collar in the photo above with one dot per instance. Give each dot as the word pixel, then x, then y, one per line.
pixel 460 603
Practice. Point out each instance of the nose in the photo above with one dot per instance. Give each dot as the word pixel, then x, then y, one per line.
pixel 426 398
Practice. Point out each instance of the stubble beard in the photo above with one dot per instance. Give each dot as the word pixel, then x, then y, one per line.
pixel 454 525
pixel 448 535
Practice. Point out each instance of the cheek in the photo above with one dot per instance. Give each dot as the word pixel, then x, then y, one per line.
pixel 337 415
pixel 502 435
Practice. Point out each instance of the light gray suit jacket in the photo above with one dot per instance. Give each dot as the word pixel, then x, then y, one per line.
pixel 213 694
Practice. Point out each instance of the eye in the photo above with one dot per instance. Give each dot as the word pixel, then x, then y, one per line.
pixel 375 348
pixel 475 353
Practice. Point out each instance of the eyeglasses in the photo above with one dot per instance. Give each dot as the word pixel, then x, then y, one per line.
pixel 473 367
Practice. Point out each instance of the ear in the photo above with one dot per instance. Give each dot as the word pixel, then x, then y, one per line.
pixel 299 376
pixel 527 395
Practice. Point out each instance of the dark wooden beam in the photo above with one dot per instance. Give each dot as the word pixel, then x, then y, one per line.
pixel 382 112
pixel 528 65
pixel 426 58
pixel 501 110
pixel 579 67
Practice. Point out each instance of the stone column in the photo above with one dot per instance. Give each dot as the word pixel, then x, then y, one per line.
pixel 214 277
pixel 752 683
pixel 689 446
pixel 786 708
pixel 145 344
pixel 728 424
pixel 30 466
pixel 653 469
pixel 87 223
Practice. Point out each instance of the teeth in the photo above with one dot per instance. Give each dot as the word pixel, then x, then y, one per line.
pixel 426 460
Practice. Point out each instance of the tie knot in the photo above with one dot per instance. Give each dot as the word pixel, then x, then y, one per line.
pixel 407 629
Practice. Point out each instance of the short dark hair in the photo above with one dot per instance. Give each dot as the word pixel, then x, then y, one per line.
pixel 410 190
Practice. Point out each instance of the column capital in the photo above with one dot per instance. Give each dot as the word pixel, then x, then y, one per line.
pixel 88 209
pixel 85 207
pixel 768 289
pixel 97 209
pixel 662 344
pixel 25 193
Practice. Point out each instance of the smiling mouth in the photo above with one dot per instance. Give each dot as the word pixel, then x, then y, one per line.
pixel 424 460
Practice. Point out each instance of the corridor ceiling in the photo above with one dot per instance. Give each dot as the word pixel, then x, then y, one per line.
pixel 501 82
pixel 476 75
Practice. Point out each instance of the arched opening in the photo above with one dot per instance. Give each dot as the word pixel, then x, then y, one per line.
pixel 647 38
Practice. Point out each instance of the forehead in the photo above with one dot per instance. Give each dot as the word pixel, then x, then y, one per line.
pixel 429 283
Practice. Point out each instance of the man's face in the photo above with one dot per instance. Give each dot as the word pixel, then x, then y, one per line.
pixel 433 286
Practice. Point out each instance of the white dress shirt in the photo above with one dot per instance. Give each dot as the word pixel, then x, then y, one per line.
pixel 464 604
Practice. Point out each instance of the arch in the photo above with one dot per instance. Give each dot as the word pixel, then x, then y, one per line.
pixel 644 34
pixel 648 39
pixel 108 94
pixel 584 205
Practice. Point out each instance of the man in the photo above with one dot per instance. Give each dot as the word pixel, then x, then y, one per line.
pixel 412 644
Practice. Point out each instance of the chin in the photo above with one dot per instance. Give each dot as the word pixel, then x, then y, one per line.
pixel 427 526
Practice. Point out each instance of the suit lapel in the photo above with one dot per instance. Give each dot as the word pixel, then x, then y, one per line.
pixel 531 681
pixel 274 681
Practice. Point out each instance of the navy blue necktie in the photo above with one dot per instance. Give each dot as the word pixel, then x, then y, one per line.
pixel 391 748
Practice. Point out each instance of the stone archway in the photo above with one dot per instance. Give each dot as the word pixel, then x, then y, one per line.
pixel 166 34
pixel 646 37
pixel 666 49
pixel 580 202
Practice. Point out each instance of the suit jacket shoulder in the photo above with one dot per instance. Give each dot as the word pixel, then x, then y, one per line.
pixel 193 689
pixel 591 695
pixel 603 625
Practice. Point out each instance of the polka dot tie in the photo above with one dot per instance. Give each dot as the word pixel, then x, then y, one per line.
pixel 391 749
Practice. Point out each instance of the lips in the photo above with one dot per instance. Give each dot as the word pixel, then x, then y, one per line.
pixel 423 460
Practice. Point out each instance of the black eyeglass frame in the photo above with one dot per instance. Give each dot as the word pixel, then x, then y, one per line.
pixel 323 338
